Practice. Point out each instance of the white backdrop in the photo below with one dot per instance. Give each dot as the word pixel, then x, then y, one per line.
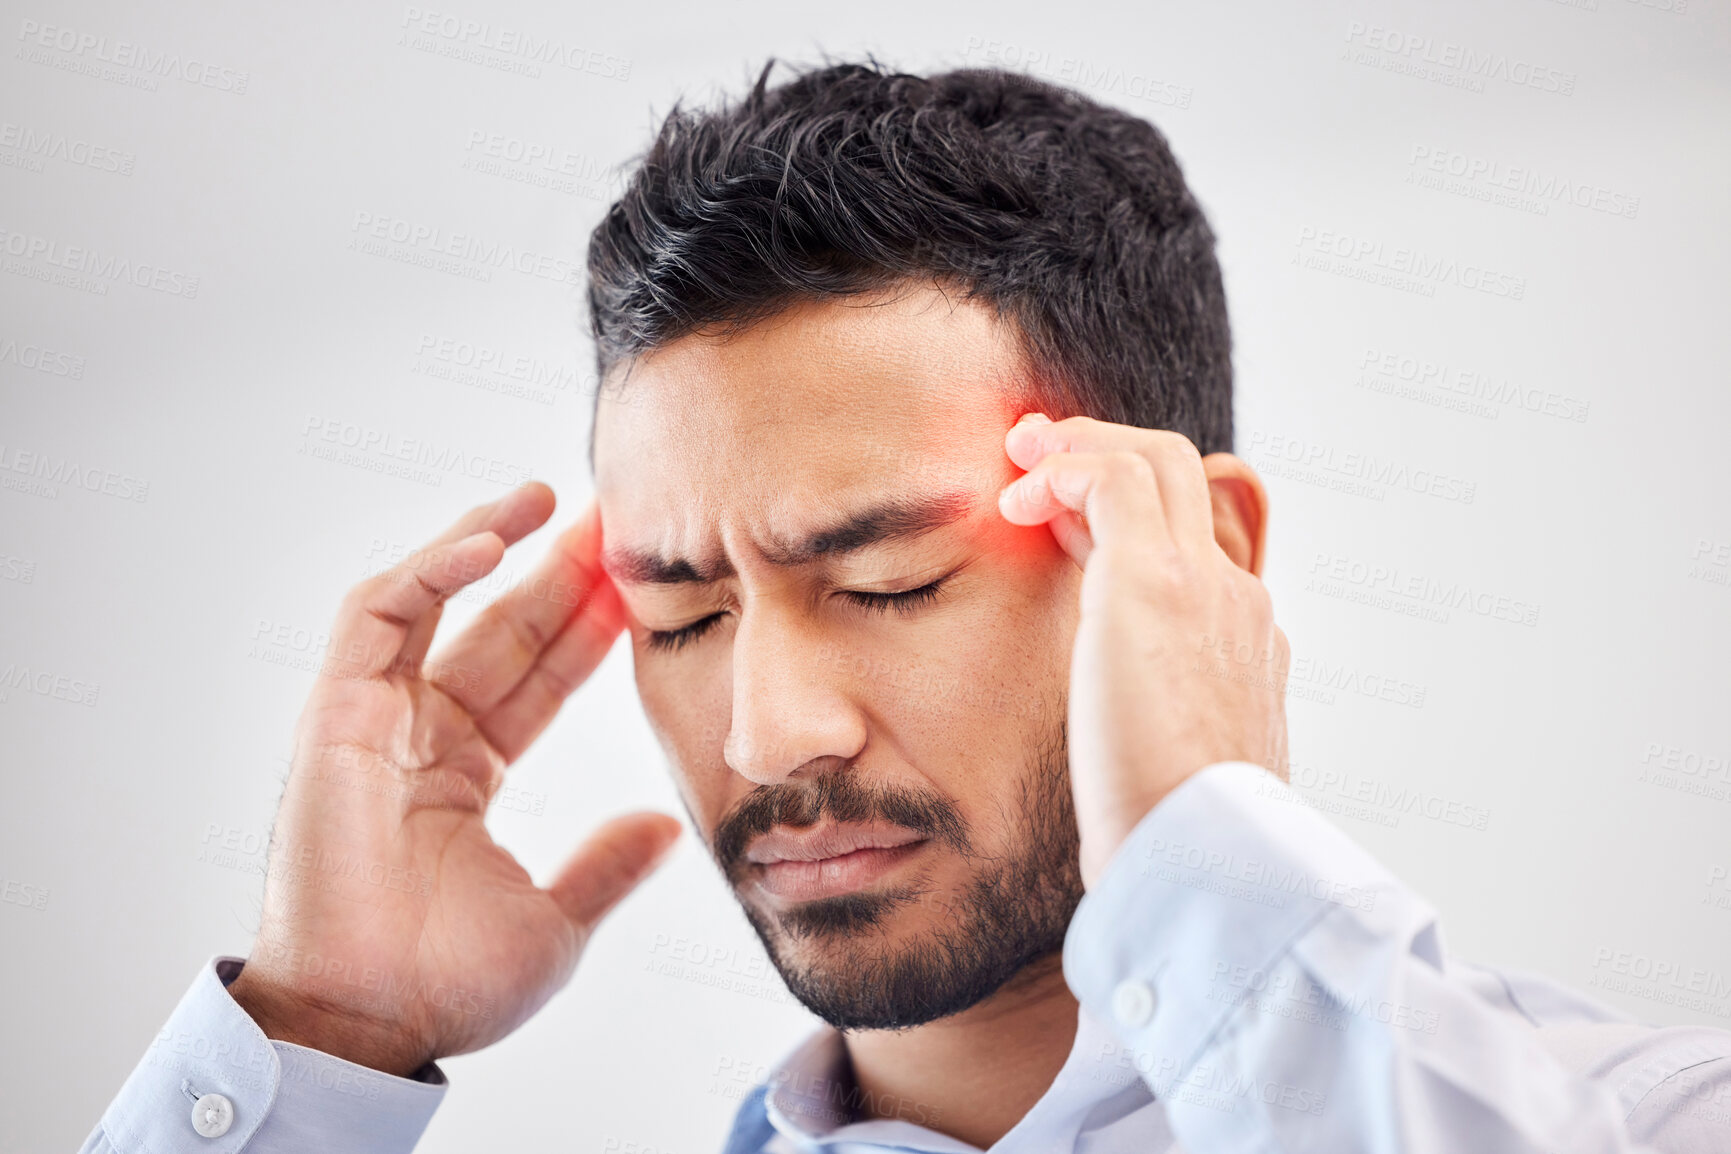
pixel 1476 257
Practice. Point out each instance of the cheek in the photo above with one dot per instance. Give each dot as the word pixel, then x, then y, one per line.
pixel 967 699
pixel 688 702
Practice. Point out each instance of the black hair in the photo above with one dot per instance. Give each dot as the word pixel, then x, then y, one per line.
pixel 1067 216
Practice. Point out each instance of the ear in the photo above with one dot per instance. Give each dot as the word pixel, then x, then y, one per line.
pixel 1240 509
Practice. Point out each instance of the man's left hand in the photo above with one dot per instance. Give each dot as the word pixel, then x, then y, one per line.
pixel 1178 663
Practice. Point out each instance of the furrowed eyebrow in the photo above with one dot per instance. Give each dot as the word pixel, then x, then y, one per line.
pixel 892 520
pixel 637 567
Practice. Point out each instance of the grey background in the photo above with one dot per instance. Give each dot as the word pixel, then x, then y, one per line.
pixel 128 814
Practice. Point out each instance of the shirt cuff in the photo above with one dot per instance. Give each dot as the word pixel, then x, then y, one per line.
pixel 283 1096
pixel 1213 887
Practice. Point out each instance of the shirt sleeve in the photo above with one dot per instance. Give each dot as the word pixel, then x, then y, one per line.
pixel 212 1083
pixel 1279 989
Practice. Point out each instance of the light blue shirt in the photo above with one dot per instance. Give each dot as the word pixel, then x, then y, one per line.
pixel 1250 980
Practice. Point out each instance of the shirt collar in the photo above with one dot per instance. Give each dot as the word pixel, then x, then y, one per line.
pixel 813 1096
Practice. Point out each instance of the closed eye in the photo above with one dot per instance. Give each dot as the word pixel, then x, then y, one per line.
pixel 668 640
pixel 905 601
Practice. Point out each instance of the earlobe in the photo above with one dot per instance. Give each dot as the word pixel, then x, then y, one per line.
pixel 1240 509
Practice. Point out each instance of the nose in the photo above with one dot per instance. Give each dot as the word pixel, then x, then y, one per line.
pixel 789 709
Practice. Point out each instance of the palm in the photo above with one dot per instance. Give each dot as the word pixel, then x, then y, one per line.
pixel 389 904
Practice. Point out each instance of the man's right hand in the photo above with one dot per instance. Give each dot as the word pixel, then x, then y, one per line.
pixel 394 930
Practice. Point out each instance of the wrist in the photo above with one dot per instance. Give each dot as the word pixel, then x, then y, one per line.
pixel 287 1016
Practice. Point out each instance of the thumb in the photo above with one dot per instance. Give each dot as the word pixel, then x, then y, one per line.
pixel 610 864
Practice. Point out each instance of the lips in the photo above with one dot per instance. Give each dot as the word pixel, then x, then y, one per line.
pixel 829 859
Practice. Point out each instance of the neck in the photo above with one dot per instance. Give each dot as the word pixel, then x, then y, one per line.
pixel 974 1074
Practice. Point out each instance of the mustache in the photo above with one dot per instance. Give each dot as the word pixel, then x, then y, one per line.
pixel 840 795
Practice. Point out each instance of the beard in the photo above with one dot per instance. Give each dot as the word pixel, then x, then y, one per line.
pixel 1015 909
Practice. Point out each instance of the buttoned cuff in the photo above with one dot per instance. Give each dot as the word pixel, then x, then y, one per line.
pixel 1213 887
pixel 274 1095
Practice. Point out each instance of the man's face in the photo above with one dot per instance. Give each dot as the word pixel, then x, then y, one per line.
pixel 857 667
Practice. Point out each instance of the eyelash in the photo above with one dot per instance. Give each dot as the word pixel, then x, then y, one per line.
pixel 672 639
pixel 905 602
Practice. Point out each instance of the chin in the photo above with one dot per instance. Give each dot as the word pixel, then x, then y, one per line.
pixel 867 961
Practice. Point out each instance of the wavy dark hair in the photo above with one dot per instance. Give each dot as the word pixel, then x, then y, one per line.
pixel 1068 217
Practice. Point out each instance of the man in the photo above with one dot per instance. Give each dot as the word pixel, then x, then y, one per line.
pixel 915 496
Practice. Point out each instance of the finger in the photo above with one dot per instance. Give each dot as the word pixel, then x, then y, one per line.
pixel 513 517
pixel 618 856
pixel 510 637
pixel 420 638
pixel 1176 462
pixel 386 621
pixel 1116 495
pixel 512 725
pixel 376 618
pixel 1071 533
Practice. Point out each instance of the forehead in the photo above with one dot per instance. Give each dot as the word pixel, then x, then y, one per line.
pixel 813 411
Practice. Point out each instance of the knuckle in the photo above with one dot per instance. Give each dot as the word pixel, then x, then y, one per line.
pixel 1126 467
pixel 1260 601
pixel 559 683
pixel 358 597
pixel 530 634
pixel 1176 444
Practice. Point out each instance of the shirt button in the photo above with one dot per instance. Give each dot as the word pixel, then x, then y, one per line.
pixel 1133 1003
pixel 212 1115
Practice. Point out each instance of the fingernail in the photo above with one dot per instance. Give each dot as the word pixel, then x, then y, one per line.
pixel 1034 418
